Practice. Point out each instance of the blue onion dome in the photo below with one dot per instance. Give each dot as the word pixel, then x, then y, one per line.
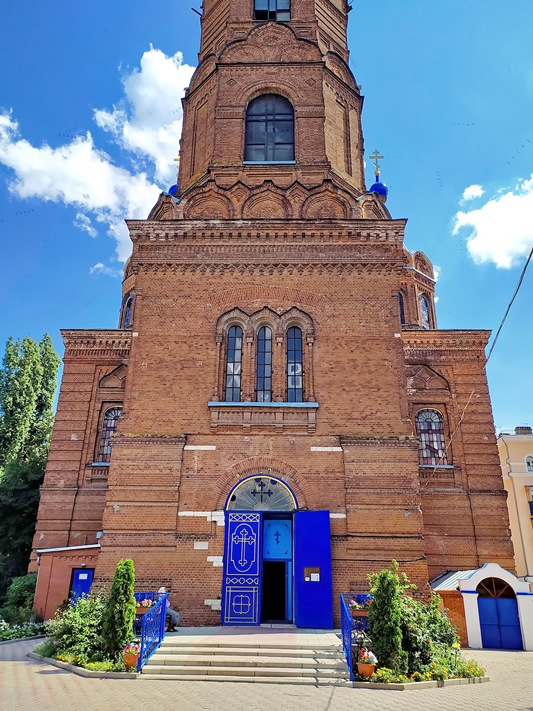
pixel 379 188
pixel 173 190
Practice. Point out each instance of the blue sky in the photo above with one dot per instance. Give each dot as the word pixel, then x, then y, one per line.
pixel 90 116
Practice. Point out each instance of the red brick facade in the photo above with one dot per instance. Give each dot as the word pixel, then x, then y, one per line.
pixel 273 245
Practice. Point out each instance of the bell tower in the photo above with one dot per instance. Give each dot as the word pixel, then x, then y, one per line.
pixel 273 103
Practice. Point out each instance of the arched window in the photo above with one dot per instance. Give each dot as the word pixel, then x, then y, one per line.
pixel 269 130
pixel 294 365
pixel 128 312
pixel 109 425
pixel 430 432
pixel 529 464
pixel 276 10
pixel 261 493
pixel 424 311
pixel 233 364
pixel 264 365
pixel 402 308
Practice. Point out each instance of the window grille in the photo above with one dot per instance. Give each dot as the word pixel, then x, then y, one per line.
pixel 294 365
pixel 269 130
pixel 234 364
pixel 109 425
pixel 430 432
pixel 264 365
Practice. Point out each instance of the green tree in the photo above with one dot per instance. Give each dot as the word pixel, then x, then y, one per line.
pixel 117 629
pixel 19 599
pixel 385 618
pixel 27 385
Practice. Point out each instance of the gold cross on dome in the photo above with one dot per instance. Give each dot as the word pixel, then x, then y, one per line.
pixel 375 155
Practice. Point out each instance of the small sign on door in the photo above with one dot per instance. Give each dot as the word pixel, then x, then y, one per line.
pixel 312 575
pixel 83 576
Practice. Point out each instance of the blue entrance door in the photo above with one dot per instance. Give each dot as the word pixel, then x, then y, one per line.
pixel 276 597
pixel 82 579
pixel 242 569
pixel 313 588
pixel 500 624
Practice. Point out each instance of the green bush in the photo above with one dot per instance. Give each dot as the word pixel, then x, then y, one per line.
pixel 119 613
pixel 385 618
pixel 30 629
pixel 77 630
pixel 18 605
pixel 47 649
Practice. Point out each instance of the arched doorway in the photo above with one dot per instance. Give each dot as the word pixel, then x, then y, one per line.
pixel 277 560
pixel 498 615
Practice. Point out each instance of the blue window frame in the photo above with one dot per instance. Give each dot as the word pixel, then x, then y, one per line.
pixel 272 10
pixel 269 130
pixel 264 365
pixel 295 389
pixel 233 364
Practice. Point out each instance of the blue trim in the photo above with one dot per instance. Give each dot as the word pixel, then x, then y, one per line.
pixel 254 476
pixel 469 592
pixel 101 464
pixel 526 594
pixel 269 162
pixel 212 403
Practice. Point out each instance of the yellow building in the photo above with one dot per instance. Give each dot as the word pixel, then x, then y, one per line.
pixel 516 456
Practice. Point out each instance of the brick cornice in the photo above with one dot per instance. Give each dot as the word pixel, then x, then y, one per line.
pixel 395 442
pixel 419 343
pixel 242 267
pixel 96 343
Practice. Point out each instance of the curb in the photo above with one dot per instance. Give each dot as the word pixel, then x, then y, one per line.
pixel 80 671
pixel 412 685
pixel 22 639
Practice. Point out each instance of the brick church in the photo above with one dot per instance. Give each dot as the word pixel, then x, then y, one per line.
pixel 272 419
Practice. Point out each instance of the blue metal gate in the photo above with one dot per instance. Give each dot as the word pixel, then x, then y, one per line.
pixel 242 569
pixel 500 624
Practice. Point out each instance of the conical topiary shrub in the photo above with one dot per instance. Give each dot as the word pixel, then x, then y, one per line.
pixel 119 612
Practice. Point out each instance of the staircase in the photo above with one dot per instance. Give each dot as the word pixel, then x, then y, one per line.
pixel 274 658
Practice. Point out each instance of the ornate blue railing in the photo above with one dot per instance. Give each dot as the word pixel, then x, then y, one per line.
pixel 152 629
pixel 354 626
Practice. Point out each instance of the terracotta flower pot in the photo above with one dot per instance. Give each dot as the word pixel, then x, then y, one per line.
pixel 359 613
pixel 130 660
pixel 365 670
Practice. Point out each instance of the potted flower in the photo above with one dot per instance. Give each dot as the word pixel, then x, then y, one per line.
pixel 144 605
pixel 359 608
pixel 366 663
pixel 131 654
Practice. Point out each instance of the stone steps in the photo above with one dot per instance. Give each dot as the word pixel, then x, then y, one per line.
pixel 253 659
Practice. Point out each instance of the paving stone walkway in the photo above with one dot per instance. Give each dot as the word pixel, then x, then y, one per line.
pixel 26 685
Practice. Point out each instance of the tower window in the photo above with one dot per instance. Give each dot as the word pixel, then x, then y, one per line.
pixel 430 432
pixel 269 130
pixel 128 312
pixel 264 365
pixel 276 10
pixel 424 311
pixel 109 425
pixel 234 364
pixel 294 365
pixel 402 308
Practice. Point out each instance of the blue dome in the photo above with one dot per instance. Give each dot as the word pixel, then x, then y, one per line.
pixel 173 190
pixel 379 188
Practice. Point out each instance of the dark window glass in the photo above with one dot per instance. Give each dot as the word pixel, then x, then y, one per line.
pixel 234 364
pixel 294 365
pixel 269 129
pixel 402 309
pixel 275 10
pixel 424 311
pixel 128 312
pixel 430 432
pixel 264 365
pixel 109 425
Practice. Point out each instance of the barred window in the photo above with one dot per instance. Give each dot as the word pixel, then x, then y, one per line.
pixel 276 10
pixel 264 365
pixel 430 432
pixel 269 130
pixel 109 425
pixel 294 365
pixel 233 364
pixel 424 311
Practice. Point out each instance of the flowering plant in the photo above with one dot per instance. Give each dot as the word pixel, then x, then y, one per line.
pixel 366 656
pixel 146 602
pixel 365 603
pixel 133 647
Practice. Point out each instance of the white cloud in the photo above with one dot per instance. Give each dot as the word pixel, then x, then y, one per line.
pixel 101 268
pixel 501 230
pixel 436 272
pixel 148 121
pixel 472 192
